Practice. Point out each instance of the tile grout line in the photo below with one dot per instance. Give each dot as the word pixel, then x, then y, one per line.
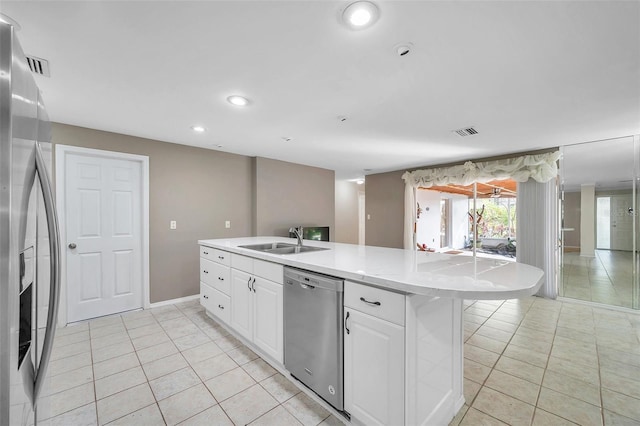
pixel 544 372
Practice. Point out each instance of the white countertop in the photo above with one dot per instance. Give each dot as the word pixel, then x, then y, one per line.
pixel 408 271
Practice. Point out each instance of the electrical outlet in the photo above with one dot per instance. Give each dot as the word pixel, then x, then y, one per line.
pixel 227 224
pixel 368 217
pixel 173 225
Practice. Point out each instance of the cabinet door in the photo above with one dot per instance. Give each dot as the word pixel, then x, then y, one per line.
pixel 267 318
pixel 241 303
pixel 373 369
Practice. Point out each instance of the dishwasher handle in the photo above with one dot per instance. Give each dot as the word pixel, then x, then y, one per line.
pixel 307 286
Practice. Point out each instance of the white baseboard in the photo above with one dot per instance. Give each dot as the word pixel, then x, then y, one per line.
pixel 174 301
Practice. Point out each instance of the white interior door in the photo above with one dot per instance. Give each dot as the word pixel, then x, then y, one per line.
pixel 621 222
pixel 103 226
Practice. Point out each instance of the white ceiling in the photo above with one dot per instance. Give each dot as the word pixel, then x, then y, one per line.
pixel 527 75
pixel 605 164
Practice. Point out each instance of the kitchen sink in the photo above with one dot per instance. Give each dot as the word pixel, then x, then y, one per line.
pixel 282 248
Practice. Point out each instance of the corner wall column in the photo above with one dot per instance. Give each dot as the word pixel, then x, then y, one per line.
pixel 587 220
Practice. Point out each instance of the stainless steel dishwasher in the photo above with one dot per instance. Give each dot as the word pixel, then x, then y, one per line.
pixel 313 348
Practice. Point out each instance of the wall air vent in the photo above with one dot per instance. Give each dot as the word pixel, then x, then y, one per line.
pixel 38 66
pixel 467 131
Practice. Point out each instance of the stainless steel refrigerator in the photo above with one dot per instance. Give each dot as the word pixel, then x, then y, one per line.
pixel 29 249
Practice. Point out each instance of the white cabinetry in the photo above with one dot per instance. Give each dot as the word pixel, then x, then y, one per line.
pixel 374 355
pixel 257 303
pixel 215 281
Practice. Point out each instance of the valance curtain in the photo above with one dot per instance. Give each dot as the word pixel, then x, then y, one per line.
pixel 539 167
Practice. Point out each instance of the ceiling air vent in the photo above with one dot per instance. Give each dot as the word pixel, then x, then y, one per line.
pixel 467 131
pixel 38 66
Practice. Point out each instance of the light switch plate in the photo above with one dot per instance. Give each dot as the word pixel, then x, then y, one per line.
pixel 227 224
pixel 173 224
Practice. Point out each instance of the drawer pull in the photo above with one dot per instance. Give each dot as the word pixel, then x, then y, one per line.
pixel 345 323
pixel 221 279
pixel 221 257
pixel 205 296
pixel 206 272
pixel 205 252
pixel 370 303
pixel 253 285
pixel 249 284
pixel 220 306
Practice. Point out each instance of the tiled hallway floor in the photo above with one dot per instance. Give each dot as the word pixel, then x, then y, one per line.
pixel 529 361
pixel 606 278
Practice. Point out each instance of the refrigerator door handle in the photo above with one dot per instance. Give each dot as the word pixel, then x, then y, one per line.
pixel 54 292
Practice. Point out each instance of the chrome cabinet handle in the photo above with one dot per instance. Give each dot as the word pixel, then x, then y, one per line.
pixel 205 252
pixel 54 258
pixel 221 257
pixel 72 246
pixel 205 296
pixel 220 306
pixel 345 323
pixel 249 284
pixel 221 279
pixel 205 271
pixel 370 303
pixel 253 285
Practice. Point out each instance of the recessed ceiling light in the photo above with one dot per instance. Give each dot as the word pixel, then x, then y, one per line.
pixel 238 100
pixel 360 15
pixel 198 129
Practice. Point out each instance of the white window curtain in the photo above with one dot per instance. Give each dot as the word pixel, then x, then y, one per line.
pixel 537 230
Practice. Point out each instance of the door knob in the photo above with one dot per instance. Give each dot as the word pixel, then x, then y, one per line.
pixel 72 246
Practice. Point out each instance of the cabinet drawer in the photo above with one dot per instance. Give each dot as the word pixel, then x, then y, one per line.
pixel 221 306
pixel 268 270
pixel 206 296
pixel 242 263
pixel 218 256
pixel 380 303
pixel 215 275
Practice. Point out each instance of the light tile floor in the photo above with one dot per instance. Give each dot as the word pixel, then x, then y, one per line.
pixel 543 362
pixel 528 361
pixel 606 278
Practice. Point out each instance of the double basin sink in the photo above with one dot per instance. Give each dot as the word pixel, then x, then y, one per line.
pixel 282 248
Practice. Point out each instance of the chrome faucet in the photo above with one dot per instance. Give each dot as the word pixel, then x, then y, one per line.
pixel 298 232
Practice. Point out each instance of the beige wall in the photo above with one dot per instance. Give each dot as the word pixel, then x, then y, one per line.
pixel 385 209
pixel 199 188
pixel 572 219
pixel 347 221
pixel 288 194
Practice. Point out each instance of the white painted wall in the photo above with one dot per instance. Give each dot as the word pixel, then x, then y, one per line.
pixel 587 220
pixel 459 220
pixel 428 225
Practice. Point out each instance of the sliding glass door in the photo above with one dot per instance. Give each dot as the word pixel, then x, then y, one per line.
pixel 600 224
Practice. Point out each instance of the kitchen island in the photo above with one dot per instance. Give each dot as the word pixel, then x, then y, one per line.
pixel 403 352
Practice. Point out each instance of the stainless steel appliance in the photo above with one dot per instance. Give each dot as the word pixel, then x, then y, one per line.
pixel 29 250
pixel 313 348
